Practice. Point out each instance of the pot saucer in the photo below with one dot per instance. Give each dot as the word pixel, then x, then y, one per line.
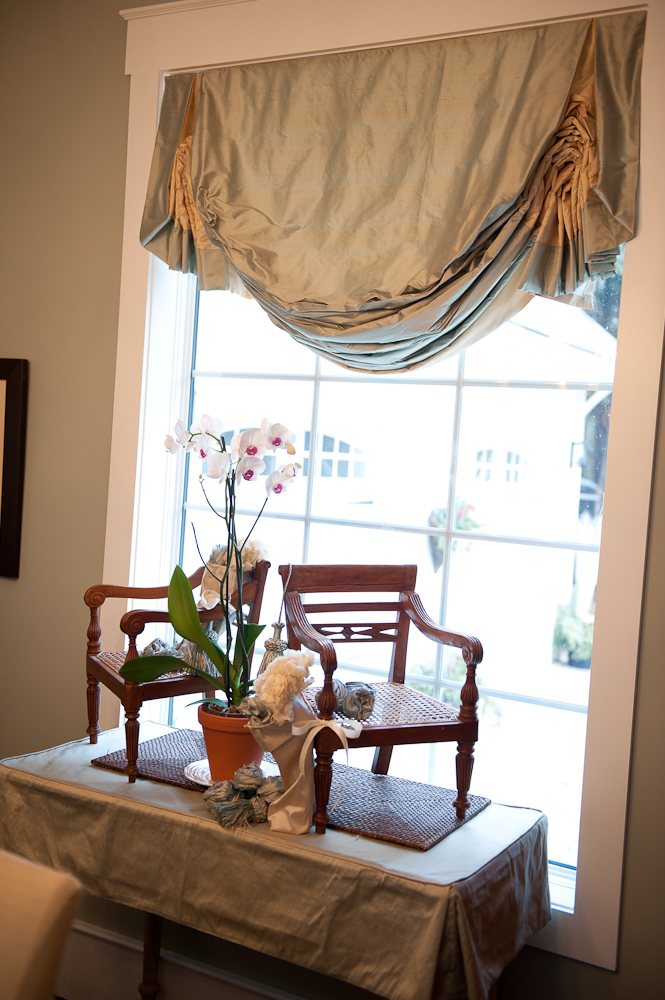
pixel 199 771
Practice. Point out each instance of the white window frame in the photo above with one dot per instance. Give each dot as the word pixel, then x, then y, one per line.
pixel 198 33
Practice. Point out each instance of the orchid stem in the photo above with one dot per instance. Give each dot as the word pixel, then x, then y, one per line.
pixel 212 507
pixel 246 538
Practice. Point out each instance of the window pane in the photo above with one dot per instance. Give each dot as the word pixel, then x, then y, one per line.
pixel 528 755
pixel 547 341
pixel 243 403
pixel 532 462
pixel 236 335
pixel 528 462
pixel 398 467
pixel 521 600
pixel 282 538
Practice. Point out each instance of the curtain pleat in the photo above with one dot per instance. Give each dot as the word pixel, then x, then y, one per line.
pixel 391 205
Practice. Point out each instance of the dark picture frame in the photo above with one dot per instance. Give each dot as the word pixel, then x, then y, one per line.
pixel 13 423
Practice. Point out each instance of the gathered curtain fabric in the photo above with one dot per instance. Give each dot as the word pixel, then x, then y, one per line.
pixel 390 205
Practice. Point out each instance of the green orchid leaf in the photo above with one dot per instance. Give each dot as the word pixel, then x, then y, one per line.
pixel 252 632
pixel 149 668
pixel 235 685
pixel 182 608
pixel 208 701
pixel 185 619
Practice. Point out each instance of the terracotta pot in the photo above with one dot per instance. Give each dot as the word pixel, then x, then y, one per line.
pixel 229 743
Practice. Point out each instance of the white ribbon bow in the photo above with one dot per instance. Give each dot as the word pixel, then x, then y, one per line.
pixel 350 731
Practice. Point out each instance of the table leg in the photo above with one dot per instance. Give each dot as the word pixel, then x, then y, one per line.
pixel 152 940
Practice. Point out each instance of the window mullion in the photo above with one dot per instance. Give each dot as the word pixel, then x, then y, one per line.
pixel 452 488
pixel 313 435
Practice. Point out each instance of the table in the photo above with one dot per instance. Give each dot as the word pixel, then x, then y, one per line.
pixel 405 924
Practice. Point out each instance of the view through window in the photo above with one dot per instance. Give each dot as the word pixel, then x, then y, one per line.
pixel 487 470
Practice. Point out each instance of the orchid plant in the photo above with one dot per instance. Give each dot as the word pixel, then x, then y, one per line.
pixel 241 462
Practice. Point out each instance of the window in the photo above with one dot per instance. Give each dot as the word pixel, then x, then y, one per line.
pixel 142 548
pixel 516 563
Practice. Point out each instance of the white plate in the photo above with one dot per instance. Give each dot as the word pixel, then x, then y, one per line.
pixel 199 770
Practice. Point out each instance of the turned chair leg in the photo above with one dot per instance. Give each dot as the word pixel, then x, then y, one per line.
pixel 464 767
pixel 322 783
pixel 93 695
pixel 132 742
pixel 152 941
pixel 381 761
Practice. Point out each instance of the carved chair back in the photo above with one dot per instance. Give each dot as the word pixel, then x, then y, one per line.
pixel 350 626
pixel 133 622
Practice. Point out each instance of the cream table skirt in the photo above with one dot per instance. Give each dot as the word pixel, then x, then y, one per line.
pixel 406 925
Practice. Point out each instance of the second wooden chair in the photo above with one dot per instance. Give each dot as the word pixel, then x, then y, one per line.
pixel 401 715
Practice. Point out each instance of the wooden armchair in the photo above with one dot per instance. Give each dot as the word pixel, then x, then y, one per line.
pixel 401 715
pixel 104 667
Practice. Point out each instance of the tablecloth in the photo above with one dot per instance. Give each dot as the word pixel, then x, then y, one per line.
pixel 406 925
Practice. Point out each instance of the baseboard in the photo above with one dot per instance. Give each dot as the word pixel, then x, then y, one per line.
pixel 99 964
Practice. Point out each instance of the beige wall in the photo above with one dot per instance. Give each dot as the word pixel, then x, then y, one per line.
pixel 65 102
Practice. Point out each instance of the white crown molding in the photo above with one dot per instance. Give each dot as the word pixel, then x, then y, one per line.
pixel 177 7
pixel 184 6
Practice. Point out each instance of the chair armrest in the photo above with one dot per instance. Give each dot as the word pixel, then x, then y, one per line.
pixel 133 622
pixel 301 630
pixel 472 650
pixel 95 596
pixel 304 632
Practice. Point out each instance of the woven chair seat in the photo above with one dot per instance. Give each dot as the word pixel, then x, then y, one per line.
pixel 397 704
pixel 115 660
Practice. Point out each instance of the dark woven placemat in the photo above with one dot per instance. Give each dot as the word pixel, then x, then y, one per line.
pixel 379 806
pixel 163 759
pixel 404 812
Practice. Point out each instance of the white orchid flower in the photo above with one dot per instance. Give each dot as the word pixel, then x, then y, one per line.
pixel 208 599
pixel 251 443
pixel 180 439
pixel 282 478
pixel 206 432
pixel 219 464
pixel 182 436
pixel 278 436
pixel 249 468
pixel 291 469
pixel 211 425
pixel 235 447
pixel 277 482
pixel 203 444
